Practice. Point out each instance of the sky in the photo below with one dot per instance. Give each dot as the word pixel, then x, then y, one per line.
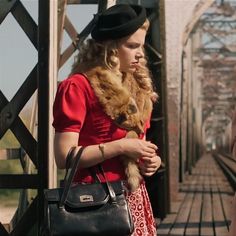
pixel 18 56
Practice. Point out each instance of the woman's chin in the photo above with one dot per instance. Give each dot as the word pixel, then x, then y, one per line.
pixel 131 70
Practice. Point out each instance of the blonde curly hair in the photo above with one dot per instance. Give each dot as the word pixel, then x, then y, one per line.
pixel 93 53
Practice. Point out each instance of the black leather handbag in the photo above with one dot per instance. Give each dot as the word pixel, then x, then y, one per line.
pixel 86 209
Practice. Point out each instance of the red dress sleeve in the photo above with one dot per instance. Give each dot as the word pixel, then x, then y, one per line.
pixel 69 108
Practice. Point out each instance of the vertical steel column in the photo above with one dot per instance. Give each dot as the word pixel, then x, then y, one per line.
pixel 53 75
pixel 43 101
pixel 164 104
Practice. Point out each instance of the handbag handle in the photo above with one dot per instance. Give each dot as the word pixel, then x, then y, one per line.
pixel 70 173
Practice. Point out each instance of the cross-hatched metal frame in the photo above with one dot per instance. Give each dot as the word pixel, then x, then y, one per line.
pixel 38 80
pixel 9 114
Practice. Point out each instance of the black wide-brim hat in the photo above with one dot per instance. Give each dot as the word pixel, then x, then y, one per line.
pixel 118 21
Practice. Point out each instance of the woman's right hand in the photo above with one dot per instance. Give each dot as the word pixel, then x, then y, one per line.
pixel 137 148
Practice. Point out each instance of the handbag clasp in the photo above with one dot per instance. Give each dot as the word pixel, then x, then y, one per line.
pixel 86 198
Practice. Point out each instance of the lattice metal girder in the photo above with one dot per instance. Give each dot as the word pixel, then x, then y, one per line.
pixel 66 54
pixel 3 231
pixel 75 37
pixel 21 132
pixel 60 25
pixel 215 108
pixel 211 50
pixel 13 108
pixel 10 153
pixel 73 46
pixel 219 24
pixel 212 63
pixel 217 103
pixel 19 181
pixel 216 100
pixel 27 221
pixel 82 1
pixel 5 8
pixel 70 30
pixel 215 38
pixel 26 22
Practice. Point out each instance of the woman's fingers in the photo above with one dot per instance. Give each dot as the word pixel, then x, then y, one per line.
pixel 137 148
pixel 149 150
pixel 148 166
pixel 147 171
pixel 151 146
pixel 151 158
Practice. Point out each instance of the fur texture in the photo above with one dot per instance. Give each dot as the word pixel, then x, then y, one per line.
pixel 131 168
pixel 129 104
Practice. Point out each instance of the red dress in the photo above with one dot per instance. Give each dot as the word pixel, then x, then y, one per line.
pixel 77 109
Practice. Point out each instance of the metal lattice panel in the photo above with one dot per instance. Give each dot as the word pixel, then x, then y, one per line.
pixel 9 119
pixel 38 152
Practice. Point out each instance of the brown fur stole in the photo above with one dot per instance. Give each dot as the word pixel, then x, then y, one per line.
pixel 128 103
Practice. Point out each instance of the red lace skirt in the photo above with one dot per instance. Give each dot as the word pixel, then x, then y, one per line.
pixel 141 211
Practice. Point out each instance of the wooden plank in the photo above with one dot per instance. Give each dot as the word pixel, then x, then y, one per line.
pixel 190 187
pixel 166 225
pixel 218 215
pixel 175 207
pixel 225 193
pixel 182 217
pixel 205 210
pixel 206 217
pixel 206 224
pixel 226 200
pixel 193 223
pixel 220 224
pixel 195 216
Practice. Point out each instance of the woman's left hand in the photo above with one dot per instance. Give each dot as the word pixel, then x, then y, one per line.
pixel 149 165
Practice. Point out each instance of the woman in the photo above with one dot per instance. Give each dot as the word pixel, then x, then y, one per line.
pixel 106 104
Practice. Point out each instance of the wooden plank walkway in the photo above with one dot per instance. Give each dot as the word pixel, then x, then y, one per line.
pixel 203 205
